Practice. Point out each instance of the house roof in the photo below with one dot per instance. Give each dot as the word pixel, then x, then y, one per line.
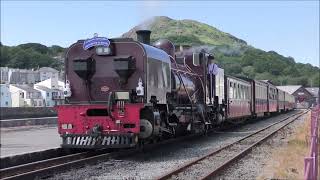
pixel 46 69
pixel 267 81
pixel 25 88
pixel 43 88
pixel 314 91
pixel 289 89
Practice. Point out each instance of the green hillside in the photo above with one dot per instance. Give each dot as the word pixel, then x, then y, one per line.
pixel 186 32
pixel 31 55
pixel 232 54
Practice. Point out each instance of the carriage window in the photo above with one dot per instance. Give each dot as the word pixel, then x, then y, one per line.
pixel 238 92
pixel 230 90
pixel 241 92
pixel 244 92
pixel 235 95
pixel 247 92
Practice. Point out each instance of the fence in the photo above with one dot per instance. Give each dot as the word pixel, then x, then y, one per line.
pixel 311 162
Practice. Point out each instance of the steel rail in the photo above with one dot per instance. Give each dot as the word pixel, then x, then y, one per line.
pixel 31 169
pixel 237 156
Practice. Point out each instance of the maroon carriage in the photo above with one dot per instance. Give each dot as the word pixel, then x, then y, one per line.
pixel 289 101
pixel 281 100
pixel 272 98
pixel 239 98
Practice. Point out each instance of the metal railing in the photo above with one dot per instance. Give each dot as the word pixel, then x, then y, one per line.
pixel 311 162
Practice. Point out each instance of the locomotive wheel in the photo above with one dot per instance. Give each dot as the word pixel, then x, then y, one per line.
pixel 146 129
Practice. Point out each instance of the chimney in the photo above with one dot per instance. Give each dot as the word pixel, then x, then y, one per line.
pixel 143 36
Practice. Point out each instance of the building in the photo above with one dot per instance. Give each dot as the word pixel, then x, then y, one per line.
pixel 52 84
pixel 303 98
pixel 52 97
pixel 47 73
pixel 315 93
pixel 27 76
pixel 4 75
pixel 51 91
pixel 5 95
pixel 25 96
pixel 23 76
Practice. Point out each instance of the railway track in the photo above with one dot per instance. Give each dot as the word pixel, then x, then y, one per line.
pixel 49 166
pixel 211 164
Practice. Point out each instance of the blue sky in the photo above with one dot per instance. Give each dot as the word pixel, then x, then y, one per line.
pixel 290 28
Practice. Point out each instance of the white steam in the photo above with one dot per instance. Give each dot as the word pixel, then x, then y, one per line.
pixel 147 11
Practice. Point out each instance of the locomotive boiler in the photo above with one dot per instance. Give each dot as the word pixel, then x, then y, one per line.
pixel 121 92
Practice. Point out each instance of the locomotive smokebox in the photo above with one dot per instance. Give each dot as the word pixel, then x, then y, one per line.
pixel 143 36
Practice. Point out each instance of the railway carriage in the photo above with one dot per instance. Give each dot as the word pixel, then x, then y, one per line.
pixel 260 99
pixel 281 100
pixel 238 95
pixel 272 98
pixel 289 101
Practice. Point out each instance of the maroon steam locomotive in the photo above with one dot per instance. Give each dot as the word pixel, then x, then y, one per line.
pixel 121 92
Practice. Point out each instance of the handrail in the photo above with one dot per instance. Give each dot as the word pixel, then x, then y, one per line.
pixel 311 162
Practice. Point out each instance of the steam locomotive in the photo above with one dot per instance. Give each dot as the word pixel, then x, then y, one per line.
pixel 121 93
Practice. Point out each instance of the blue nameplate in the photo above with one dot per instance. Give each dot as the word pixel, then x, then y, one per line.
pixel 96 41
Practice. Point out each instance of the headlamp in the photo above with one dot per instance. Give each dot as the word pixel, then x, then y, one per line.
pixel 103 50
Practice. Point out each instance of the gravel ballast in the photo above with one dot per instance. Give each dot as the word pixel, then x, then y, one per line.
pixel 252 165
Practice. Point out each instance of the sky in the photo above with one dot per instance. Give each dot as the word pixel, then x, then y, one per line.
pixel 290 28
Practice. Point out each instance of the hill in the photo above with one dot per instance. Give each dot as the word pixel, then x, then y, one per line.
pixel 233 54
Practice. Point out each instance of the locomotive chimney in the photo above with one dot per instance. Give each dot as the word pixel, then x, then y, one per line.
pixel 143 36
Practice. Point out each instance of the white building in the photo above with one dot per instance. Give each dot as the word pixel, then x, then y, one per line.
pixel 51 91
pixel 25 96
pixel 47 73
pixel 52 97
pixel 4 75
pixel 23 76
pixel 5 95
pixel 27 76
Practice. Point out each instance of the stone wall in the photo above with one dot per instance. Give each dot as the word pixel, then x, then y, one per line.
pixel 26 112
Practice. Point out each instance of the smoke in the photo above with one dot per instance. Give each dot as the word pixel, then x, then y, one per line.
pixel 146 24
pixel 147 11
pixel 230 50
pixel 224 49
pixel 198 49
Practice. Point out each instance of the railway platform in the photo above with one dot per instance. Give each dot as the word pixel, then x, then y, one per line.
pixel 25 139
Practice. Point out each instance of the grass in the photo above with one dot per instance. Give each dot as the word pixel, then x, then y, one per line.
pixel 287 161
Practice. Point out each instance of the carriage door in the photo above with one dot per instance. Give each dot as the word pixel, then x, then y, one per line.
pixel 231 99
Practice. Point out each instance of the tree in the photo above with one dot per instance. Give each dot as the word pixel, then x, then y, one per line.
pixel 248 71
